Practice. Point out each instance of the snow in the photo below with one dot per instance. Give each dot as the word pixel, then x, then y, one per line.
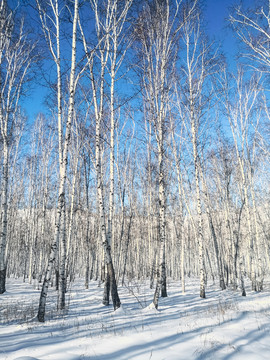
pixel 225 325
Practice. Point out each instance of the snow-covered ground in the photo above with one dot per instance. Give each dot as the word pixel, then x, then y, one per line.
pixel 223 326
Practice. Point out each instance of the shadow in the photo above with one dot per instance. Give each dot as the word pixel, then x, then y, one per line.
pixel 87 318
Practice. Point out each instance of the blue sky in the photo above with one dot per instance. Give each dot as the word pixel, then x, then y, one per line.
pixel 215 13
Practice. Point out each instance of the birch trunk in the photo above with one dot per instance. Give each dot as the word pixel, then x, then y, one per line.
pixel 15 60
pixel 214 236
pixel 180 235
pixel 62 182
pixel 199 212
pixel 109 26
pixel 201 62
pixel 194 134
pixel 62 261
pixel 111 196
pixel 106 246
pixel 161 270
pixel 239 116
pixel 125 253
pixel 70 224
pixel 4 210
pixel 156 32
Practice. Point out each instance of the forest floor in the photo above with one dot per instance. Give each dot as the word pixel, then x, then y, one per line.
pixel 225 325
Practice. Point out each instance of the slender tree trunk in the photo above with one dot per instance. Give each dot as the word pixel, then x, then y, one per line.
pixel 161 270
pixel 63 174
pixel 126 249
pixel 199 212
pixel 62 261
pixel 111 281
pixel 4 211
pixel 70 224
pixel 87 267
pixel 110 230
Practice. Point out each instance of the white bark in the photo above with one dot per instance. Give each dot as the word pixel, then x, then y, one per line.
pixel 15 60
pixel 240 117
pixel 194 100
pixel 157 30
pixel 62 183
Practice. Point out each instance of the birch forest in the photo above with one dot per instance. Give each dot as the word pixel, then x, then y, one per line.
pixel 148 158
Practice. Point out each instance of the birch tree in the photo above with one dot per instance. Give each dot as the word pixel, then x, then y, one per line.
pixel 118 13
pixel 52 36
pixel 43 141
pixel 16 55
pixel 243 114
pixel 110 18
pixel 157 29
pixel 154 34
pixel 195 99
pixel 252 27
pixel 177 150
